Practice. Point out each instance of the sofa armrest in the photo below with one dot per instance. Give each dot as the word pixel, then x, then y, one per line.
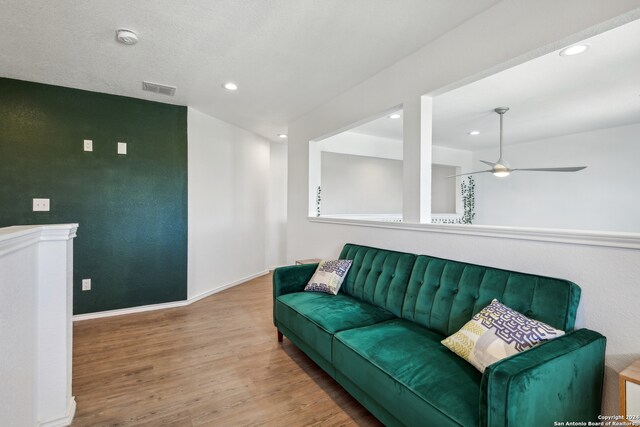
pixel 292 278
pixel 559 380
pixel 289 279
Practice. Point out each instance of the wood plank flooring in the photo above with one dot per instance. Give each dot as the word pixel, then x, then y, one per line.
pixel 216 362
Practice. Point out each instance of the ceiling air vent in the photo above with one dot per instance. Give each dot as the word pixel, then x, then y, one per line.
pixel 158 88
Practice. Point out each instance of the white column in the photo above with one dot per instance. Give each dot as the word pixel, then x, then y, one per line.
pixel 417 131
pixel 315 180
pixel 426 155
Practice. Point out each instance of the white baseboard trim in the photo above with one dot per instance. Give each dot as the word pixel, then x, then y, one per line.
pixel 278 266
pixel 131 310
pixel 62 421
pixel 162 306
pixel 227 286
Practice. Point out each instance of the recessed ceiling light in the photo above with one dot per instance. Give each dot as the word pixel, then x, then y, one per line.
pixel 474 132
pixel 394 116
pixel 230 86
pixel 127 37
pixel 282 135
pixel 574 50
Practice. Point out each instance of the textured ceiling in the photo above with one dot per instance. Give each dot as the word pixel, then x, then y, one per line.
pixel 384 127
pixel 549 96
pixel 287 56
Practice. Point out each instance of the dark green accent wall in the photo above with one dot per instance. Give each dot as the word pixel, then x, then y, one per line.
pixel 132 209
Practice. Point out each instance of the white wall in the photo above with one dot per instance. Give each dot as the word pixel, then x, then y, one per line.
pixel 601 197
pixel 385 148
pixel 229 180
pixel 362 145
pixel 462 159
pixel 360 185
pixel 479 47
pixel 347 143
pixel 443 189
pixel 277 207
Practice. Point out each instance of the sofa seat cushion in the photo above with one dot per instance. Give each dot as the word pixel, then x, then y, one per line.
pixel 315 316
pixel 403 365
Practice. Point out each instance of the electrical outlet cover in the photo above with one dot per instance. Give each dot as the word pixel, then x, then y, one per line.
pixel 41 205
pixel 88 145
pixel 86 284
pixel 122 148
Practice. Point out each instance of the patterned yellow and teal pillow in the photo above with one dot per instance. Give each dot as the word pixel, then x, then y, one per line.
pixel 329 276
pixel 496 332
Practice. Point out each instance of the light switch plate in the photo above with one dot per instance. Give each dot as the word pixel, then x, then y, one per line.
pixel 86 284
pixel 122 148
pixel 41 205
pixel 88 145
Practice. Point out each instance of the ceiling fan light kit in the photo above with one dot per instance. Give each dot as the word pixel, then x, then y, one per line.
pixel 502 169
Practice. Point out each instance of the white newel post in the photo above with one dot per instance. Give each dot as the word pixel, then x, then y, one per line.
pixel 36 303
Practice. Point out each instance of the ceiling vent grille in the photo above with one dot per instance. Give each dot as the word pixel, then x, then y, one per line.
pixel 158 88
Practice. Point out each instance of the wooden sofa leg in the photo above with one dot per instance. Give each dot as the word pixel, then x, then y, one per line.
pixel 279 336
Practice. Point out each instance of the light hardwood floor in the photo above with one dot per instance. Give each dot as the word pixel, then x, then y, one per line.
pixel 214 363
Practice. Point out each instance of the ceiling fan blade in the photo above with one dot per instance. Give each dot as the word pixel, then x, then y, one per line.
pixel 488 163
pixel 567 169
pixel 470 173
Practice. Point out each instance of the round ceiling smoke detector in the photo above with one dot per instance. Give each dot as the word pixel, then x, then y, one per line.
pixel 127 37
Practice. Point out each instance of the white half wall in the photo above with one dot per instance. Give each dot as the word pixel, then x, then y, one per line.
pixel 601 197
pixel 608 276
pixel 229 180
pixel 18 334
pixel 36 302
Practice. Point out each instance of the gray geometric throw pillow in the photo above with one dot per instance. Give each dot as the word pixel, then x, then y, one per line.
pixel 329 276
pixel 496 332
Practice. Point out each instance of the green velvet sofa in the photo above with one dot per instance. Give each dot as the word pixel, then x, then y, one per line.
pixel 380 339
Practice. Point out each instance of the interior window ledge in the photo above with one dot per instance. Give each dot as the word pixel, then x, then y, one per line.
pixel 577 237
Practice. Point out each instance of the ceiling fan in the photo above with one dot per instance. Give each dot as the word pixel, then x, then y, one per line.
pixel 501 168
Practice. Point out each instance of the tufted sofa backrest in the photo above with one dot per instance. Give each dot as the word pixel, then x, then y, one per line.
pixel 443 295
pixel 377 276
